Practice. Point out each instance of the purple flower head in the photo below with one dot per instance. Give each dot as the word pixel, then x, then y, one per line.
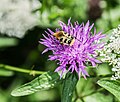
pixel 73 58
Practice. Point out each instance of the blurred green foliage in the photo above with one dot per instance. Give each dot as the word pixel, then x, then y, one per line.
pixel 26 52
pixel 54 10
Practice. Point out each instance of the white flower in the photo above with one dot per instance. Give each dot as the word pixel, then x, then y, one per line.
pixel 16 16
pixel 111 53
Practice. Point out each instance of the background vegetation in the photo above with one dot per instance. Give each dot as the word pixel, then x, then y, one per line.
pixel 25 53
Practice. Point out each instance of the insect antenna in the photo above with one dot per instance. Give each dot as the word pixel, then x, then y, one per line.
pixel 77 39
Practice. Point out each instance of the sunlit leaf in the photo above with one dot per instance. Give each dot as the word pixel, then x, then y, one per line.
pixel 103 69
pixel 111 85
pixel 98 97
pixel 43 82
pixel 85 86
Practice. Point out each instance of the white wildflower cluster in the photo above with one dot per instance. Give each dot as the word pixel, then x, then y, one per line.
pixel 16 16
pixel 111 52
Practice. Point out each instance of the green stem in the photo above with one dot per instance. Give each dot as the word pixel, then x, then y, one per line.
pixel 33 72
pixel 41 72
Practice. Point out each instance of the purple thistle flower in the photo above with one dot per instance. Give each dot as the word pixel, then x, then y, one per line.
pixel 73 58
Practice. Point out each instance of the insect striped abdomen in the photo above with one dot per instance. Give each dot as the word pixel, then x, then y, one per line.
pixel 64 38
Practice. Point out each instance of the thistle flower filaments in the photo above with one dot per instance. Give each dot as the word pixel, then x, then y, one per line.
pixel 111 53
pixel 73 58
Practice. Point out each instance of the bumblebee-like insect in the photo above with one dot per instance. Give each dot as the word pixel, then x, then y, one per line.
pixel 64 38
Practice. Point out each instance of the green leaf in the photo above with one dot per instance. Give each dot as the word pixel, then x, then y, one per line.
pixel 69 85
pixel 85 87
pixel 3 97
pixel 111 85
pixel 6 42
pixel 99 97
pixel 103 69
pixel 45 96
pixel 6 73
pixel 43 82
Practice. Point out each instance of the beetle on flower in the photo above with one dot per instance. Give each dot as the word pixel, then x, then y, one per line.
pixel 73 58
